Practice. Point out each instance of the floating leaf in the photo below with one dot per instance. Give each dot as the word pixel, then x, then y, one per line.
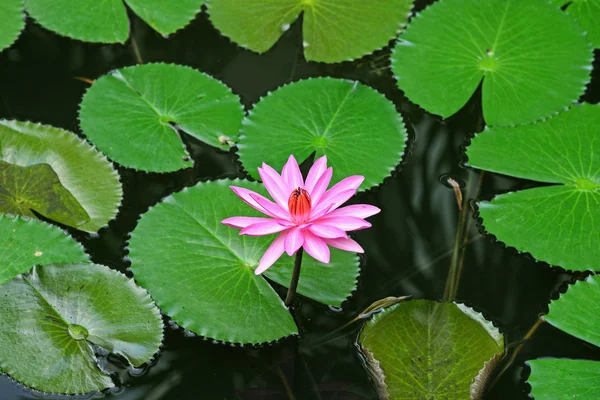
pixel 201 272
pixel 587 14
pixel 28 242
pixel 333 30
pixel 534 60
pixel 134 114
pixel 50 317
pixel 358 129
pixel 163 16
pixel 56 174
pixel 106 21
pixel 422 349
pixel 553 378
pixel 577 312
pixel 556 224
pixel 13 21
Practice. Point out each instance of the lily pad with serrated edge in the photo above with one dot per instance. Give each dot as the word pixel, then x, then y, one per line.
pixel 576 312
pixel 587 14
pixel 106 21
pixel 357 128
pixel 134 115
pixel 28 242
pixel 51 317
pixel 56 174
pixel 534 60
pixel 13 22
pixel 201 272
pixel 423 349
pixel 557 224
pixel 333 30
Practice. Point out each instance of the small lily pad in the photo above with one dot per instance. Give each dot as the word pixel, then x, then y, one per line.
pixel 13 21
pixel 106 21
pixel 577 312
pixel 134 115
pixel 357 128
pixel 533 59
pixel 556 224
pixel 51 317
pixel 54 173
pixel 201 272
pixel 587 15
pixel 28 242
pixel 333 30
pixel 422 349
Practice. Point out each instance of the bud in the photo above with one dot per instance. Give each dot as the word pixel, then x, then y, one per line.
pixel 299 204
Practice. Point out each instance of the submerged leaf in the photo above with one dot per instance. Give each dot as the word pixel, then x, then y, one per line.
pixel 28 242
pixel 134 114
pixel 106 21
pixel 56 174
pixel 534 60
pixel 422 349
pixel 50 317
pixel 358 129
pixel 12 21
pixel 333 30
pixel 37 187
pixel 577 312
pixel 556 224
pixel 201 272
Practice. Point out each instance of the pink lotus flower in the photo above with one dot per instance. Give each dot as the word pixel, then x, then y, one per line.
pixel 305 213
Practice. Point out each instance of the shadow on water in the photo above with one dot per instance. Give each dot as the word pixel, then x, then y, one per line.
pixel 408 250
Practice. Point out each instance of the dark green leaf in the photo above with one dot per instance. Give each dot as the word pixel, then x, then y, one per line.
pixel 50 317
pixel 556 224
pixel 28 242
pixel 134 115
pixel 333 30
pixel 106 21
pixel 358 129
pixel 534 60
pixel 577 312
pixel 201 272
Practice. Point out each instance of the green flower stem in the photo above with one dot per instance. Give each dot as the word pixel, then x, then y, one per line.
pixel 295 277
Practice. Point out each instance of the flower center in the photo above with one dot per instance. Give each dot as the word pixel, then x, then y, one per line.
pixel 299 204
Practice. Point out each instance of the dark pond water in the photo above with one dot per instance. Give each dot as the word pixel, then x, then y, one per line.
pixel 408 250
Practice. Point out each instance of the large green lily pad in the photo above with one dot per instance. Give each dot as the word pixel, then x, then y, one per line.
pixel 533 59
pixel 28 242
pixel 357 128
pixel 134 115
pixel 106 21
pixel 333 30
pixel 422 349
pixel 51 316
pixel 54 173
pixel 201 272
pixel 556 224
pixel 577 312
